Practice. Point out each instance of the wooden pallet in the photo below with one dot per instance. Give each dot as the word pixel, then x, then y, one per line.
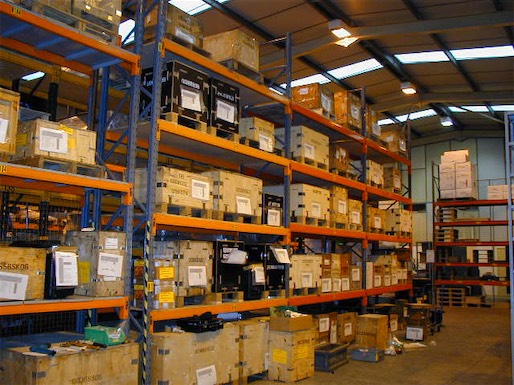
pixel 394 190
pixel 338 225
pixel 376 230
pixel 324 113
pixel 223 133
pixel 373 184
pixel 309 221
pixel 344 173
pixel 446 235
pixel 445 214
pixel 378 140
pixel 304 291
pixel 245 380
pixel 354 227
pixel 243 69
pixel 275 293
pixel 310 162
pixel 255 144
pixel 184 211
pixel 227 296
pixel 451 296
pixel 49 163
pixel 191 300
pixel 187 121
pixel 236 217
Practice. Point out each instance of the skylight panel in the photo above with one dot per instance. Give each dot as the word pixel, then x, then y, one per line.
pixel 355 69
pixel 483 52
pixel 193 7
pixel 416 115
pixel 384 122
pixel 317 78
pixel 456 109
pixel 422 57
pixel 502 108
pixel 475 108
pixel 127 29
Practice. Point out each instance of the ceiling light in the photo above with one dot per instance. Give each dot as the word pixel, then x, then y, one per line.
pixel 408 88
pixel 33 76
pixel 338 28
pixel 345 42
pixel 446 121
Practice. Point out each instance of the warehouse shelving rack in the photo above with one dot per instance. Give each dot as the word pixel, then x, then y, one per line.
pixel 37 37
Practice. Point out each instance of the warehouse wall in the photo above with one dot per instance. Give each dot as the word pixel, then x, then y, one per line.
pixel 489 157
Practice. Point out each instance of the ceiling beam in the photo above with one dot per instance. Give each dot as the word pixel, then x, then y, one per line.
pixel 457 135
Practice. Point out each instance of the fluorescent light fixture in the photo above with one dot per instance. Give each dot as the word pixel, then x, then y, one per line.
pixel 446 121
pixel 33 76
pixel 408 88
pixel 422 57
pixel 347 41
pixel 502 108
pixel 483 52
pixel 355 69
pixel 337 27
pixel 193 7
pixel 317 78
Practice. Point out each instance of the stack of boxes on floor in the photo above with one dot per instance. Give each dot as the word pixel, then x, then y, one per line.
pixel 457 176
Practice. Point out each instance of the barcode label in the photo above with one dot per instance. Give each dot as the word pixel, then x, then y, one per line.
pixel 206 376
pixel 273 217
pixel 324 325
pixel 13 286
pixel 308 151
pixel 197 275
pixel 110 265
pixel 66 269
pixel 53 140
pixel 190 99
pixel 306 279
pixel 243 205
pixel 225 111
pixel 200 189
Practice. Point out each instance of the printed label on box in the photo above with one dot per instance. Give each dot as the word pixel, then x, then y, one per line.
pixel 308 151
pixel 377 281
pixel 324 325
pixel 279 356
pixel 341 207
pixel 259 277
pixel 4 126
pixel 326 285
pixel 166 272
pixel 306 279
pixel 303 91
pixel 197 275
pixel 200 189
pixel 225 111
pixel 356 274
pixel 179 32
pixel 265 143
pixel 336 284
pixel 110 264
pixel 356 217
pixel 394 325
pixel 303 351
pixel 281 255
pixel 273 217
pixel 316 210
pixel 377 222
pixel 190 99
pixel 243 205
pixel 166 297
pixel 206 376
pixel 84 272
pixel 414 333
pixel 355 112
pixel 66 268
pixel 333 332
pixel 345 284
pixel 348 330
pixel 111 243
pixel 326 102
pixel 13 286
pixel 53 140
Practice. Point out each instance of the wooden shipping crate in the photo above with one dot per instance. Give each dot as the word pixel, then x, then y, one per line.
pixel 179 24
pixel 196 358
pixel 339 157
pixel 192 265
pixel 346 327
pixel 355 277
pixel 307 146
pixel 338 206
pixel 22 273
pixel 305 271
pixel 374 173
pixel 393 178
pixel 258 130
pixel 326 273
pixel 372 127
pixel 395 140
pixel 347 109
pixel 233 45
pixel 9 109
pixel 378 275
pixel 355 213
pixel 315 96
pixel 399 220
pixel 253 346
pixel 102 260
pixel 372 331
pixel 54 140
pixel 114 365
pixel 291 355
pixel 309 201
pixel 377 219
pixel 326 326
pixel 236 193
pixel 176 187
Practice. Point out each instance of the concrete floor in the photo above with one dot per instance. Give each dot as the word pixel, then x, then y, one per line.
pixel 473 348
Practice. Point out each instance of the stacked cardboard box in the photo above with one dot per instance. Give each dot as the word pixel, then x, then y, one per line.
pixel 500 191
pixel 374 173
pixel 376 219
pixel 393 178
pixel 307 146
pixel 253 346
pixel 338 207
pixel 233 45
pixel 326 273
pixel 373 129
pixel 395 140
pixel 260 131
pixel 355 214
pixel 372 331
pixel 339 158
pixel 457 176
pixel 347 109
pixel 305 271
pixel 326 325
pixel 398 221
pixel 315 96
pixel 346 327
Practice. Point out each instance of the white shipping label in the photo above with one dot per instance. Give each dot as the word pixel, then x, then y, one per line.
pixel 326 103
pixel 281 255
pixel 393 325
pixel 200 189
pixel 316 210
pixel 303 91
pixel 375 129
pixel 307 280
pixel 111 243
pixel 4 126
pixel 394 279
pixel 265 143
pixel 309 151
pixel 326 285
pixel 266 361
pixel 206 376
pixel 377 281
pixel 345 284
pixel 336 284
pixel 341 207
pixel 225 111
pixel 197 275
pixel 273 217
pixel 355 111
pixel 259 277
pixel 414 334
pixel 324 325
pixel 184 35
pixel 53 140
pixel 356 217
pixel 348 330
pixel 333 332
pixel 110 264
pixel 397 182
pixel 66 269
pixel 190 99
pixel 356 274
pixel 243 205
pixel 377 221
pixel 13 286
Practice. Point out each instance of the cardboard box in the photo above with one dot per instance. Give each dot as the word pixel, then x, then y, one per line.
pixel 22 273
pixel 447 167
pixel 196 358
pixel 394 139
pixel 372 331
pixel 306 201
pixel 288 324
pixel 447 194
pixel 347 109
pixel 9 110
pixel 326 273
pixel 447 181
pixel 455 156
pixel 339 157
pixel 326 326
pixel 258 130
pixel 233 45
pixel 305 271
pixel 355 278
pixel 393 322
pixel 495 192
pixel 314 96
pixel 392 178
pixel 376 218
pixel 338 205
pixel 354 212
pixel 469 192
pixel 346 327
pixel 291 355
pixel 114 365
pixel 375 173
pixel 253 346
pixel 307 144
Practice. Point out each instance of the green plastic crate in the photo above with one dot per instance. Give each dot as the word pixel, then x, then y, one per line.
pixel 105 335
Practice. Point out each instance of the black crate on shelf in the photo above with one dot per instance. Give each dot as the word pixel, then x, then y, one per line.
pixel 276 272
pixel 272 210
pixel 185 92
pixel 224 106
pixel 228 276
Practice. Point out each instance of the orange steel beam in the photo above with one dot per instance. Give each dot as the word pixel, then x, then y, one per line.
pixel 25 16
pixel 42 186
pixel 222 70
pixel 388 289
pixel 321 298
pixel 470 282
pixel 470 243
pixel 47 306
pixel 387 238
pixel 377 147
pixel 325 231
pixel 472 264
pixel 388 195
pixel 210 224
pixel 325 175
